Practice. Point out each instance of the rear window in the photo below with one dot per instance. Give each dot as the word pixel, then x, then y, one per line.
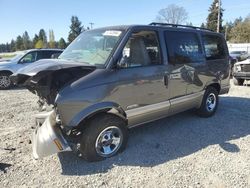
pixel 214 47
pixel 46 54
pixel 183 47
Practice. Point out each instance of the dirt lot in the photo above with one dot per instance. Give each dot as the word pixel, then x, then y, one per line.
pixel 180 151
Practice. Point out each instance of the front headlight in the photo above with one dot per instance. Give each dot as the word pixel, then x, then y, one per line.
pixel 237 68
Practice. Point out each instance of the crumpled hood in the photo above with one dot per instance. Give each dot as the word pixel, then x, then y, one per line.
pixel 247 61
pixel 48 76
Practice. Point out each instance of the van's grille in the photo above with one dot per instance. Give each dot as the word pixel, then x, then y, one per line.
pixel 245 68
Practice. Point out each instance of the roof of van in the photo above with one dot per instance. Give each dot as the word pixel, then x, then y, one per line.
pixel 161 26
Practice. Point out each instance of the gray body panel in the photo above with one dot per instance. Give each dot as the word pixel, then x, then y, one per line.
pixel 139 87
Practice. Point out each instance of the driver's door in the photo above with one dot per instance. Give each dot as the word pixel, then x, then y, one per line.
pixel 143 85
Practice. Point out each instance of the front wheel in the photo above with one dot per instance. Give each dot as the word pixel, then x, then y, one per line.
pixel 105 136
pixel 209 103
pixel 5 82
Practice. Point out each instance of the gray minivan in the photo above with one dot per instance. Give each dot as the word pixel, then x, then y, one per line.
pixel 114 78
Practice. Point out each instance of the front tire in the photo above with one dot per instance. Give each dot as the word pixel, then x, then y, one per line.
pixel 5 82
pixel 105 136
pixel 238 82
pixel 209 103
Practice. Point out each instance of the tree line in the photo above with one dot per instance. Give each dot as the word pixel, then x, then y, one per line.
pixel 237 31
pixel 40 40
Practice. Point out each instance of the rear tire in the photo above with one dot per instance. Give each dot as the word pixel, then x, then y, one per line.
pixel 5 82
pixel 238 82
pixel 209 103
pixel 105 136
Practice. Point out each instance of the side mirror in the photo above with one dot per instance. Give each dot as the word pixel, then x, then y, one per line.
pixel 123 62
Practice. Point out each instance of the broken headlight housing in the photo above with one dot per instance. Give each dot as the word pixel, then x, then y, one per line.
pixel 237 68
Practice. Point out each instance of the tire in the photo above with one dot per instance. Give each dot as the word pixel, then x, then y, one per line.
pixel 5 82
pixel 103 131
pixel 238 82
pixel 209 103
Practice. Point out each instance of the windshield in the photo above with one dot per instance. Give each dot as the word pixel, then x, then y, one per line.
pixel 92 47
pixel 17 57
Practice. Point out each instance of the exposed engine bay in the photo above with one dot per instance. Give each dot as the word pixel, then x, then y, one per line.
pixel 47 83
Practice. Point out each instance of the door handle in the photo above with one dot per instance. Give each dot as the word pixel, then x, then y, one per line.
pixel 166 80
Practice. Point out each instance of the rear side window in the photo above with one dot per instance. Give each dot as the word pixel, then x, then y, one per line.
pixel 183 47
pixel 214 47
pixel 45 54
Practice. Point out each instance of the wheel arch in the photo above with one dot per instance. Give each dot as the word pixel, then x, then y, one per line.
pixel 215 85
pixel 6 71
pixel 94 110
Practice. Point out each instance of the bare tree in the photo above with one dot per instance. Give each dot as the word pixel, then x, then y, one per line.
pixel 172 14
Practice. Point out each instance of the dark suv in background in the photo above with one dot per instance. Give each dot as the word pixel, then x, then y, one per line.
pixel 111 79
pixel 21 60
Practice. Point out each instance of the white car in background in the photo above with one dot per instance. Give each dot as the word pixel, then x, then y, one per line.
pixel 8 67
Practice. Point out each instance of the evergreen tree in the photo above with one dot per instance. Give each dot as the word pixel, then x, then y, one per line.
pixel 12 46
pixel 43 37
pixel 62 44
pixel 19 43
pixel 237 21
pixel 35 40
pixel 7 47
pixel 39 44
pixel 52 43
pixel 203 25
pixel 240 33
pixel 212 18
pixel 75 28
pixel 26 41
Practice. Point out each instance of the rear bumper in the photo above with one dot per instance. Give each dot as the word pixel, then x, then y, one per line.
pixel 48 138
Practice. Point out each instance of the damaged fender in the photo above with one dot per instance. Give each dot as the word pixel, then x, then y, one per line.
pixel 48 138
pixel 110 107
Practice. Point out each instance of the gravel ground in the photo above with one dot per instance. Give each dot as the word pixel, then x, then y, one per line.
pixel 179 151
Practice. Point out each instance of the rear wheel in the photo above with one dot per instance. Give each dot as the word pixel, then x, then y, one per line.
pixel 238 82
pixel 5 82
pixel 105 136
pixel 209 103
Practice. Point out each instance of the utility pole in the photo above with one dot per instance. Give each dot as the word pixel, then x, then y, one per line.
pixel 226 33
pixel 91 25
pixel 218 21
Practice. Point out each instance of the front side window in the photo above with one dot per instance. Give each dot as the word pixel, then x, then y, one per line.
pixel 214 47
pixel 92 47
pixel 183 47
pixel 142 49
pixel 29 58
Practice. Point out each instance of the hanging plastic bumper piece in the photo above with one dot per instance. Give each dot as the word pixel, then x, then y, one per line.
pixel 48 138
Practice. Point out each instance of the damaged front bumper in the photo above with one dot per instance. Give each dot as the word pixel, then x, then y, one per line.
pixel 48 138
